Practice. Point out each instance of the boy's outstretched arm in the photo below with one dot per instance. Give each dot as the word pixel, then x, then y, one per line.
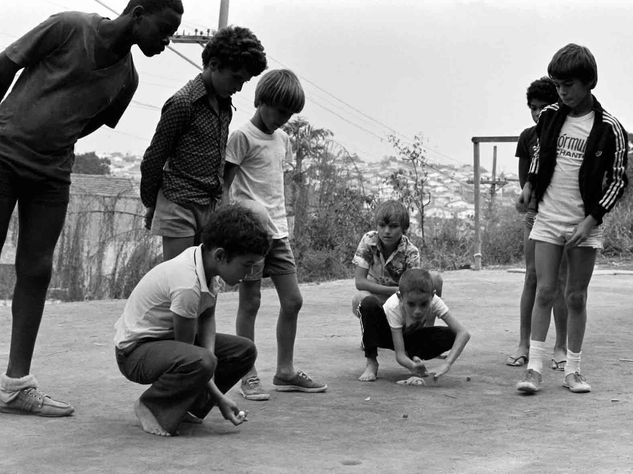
pixel 363 283
pixel 415 365
pixel 461 339
pixel 8 70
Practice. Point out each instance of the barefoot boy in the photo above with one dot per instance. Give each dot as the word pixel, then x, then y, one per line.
pixel 254 172
pixel 166 336
pixel 406 324
pixel 77 75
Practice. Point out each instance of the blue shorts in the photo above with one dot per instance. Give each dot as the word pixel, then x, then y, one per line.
pixel 278 261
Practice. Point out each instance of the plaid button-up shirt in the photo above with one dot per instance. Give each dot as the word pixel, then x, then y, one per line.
pixel 387 271
pixel 186 156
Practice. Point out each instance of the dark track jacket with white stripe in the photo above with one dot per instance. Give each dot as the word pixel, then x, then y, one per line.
pixel 602 177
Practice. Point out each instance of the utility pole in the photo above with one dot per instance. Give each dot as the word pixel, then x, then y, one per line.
pixel 493 185
pixel 476 182
pixel 224 14
pixel 199 36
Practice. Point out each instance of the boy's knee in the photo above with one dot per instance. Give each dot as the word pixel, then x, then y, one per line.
pixel 292 304
pixel 438 283
pixel 546 294
pixel 207 364
pixel 576 299
pixel 369 307
pixel 37 271
pixel 249 352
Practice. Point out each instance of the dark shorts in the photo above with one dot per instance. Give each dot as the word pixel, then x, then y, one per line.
pixel 13 187
pixel 278 261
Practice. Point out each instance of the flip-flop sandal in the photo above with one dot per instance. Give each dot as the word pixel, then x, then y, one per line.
pixel 559 365
pixel 518 361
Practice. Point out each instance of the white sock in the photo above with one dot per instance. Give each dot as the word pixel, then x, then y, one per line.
pixel 536 356
pixel 573 362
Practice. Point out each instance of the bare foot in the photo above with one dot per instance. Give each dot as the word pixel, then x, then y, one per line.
pixel 148 421
pixel 371 371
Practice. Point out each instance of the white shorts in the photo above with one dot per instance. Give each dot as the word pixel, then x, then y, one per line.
pixel 558 233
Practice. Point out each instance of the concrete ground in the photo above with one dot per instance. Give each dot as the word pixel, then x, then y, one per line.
pixel 472 421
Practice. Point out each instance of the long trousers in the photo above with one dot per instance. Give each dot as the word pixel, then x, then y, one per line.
pixel 179 374
pixel 425 342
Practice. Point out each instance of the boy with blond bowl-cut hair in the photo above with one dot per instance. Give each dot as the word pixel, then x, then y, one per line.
pixel 254 172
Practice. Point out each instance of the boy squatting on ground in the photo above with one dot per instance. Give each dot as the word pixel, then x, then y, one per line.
pixel 181 171
pixel 166 336
pixel 254 173
pixel 77 74
pixel 406 324
pixel 577 174
pixel 540 93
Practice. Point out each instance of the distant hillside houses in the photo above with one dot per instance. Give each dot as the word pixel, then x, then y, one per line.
pixel 450 186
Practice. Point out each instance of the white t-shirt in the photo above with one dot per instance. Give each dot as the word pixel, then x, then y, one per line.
pixel 176 286
pixel 395 316
pixel 562 201
pixel 260 177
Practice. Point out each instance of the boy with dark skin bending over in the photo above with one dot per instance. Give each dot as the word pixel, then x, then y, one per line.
pixel 77 75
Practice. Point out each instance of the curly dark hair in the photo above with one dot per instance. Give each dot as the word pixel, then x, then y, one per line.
pixel 392 211
pixel 417 279
pixel 574 62
pixel 236 229
pixel 236 47
pixel 153 6
pixel 542 89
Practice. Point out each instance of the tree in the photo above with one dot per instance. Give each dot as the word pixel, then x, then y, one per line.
pixel 90 163
pixel 307 143
pixel 409 183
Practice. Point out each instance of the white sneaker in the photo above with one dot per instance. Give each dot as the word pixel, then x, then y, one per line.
pixel 251 389
pixel 576 383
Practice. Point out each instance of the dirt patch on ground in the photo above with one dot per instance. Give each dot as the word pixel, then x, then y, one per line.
pixel 473 421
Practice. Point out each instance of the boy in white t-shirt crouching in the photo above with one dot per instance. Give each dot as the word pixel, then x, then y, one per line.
pixel 406 324
pixel 166 335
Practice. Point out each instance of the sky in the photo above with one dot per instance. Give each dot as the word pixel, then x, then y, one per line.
pixel 444 70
